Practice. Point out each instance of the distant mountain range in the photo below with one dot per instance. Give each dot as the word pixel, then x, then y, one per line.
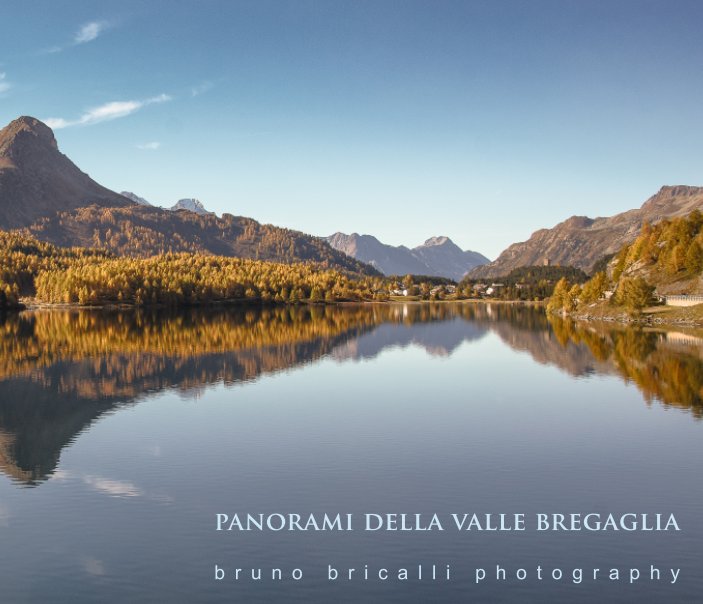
pixel 581 241
pixel 188 203
pixel 43 192
pixel 438 256
pixel 136 199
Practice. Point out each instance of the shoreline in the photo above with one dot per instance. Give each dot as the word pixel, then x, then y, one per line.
pixel 31 305
pixel 653 316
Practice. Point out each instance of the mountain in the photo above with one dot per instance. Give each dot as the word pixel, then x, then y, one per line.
pixel 44 193
pixel 190 204
pixel 36 179
pixel 581 241
pixel 388 259
pixel 668 256
pixel 445 258
pixel 438 256
pixel 135 198
pixel 146 231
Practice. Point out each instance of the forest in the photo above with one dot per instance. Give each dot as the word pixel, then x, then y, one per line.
pixel 89 276
pixel 668 254
pixel 48 273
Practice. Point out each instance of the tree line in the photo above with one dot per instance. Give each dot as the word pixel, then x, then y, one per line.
pixel 95 277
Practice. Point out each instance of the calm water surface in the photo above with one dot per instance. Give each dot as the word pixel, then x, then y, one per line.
pixel 123 434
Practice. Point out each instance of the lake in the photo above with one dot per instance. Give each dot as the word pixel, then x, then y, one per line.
pixel 124 434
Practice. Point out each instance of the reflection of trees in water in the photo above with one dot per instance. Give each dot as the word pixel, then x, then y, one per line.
pixel 662 370
pixel 525 317
pixel 62 370
pixel 37 340
pixel 123 347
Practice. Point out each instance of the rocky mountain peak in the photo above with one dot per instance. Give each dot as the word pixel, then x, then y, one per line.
pixel 190 204
pixel 439 240
pixel 679 191
pixel 25 132
pixel 578 222
pixel 37 180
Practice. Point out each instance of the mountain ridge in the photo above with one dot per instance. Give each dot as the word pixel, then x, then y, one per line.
pixel 190 204
pixel 43 193
pixel 437 256
pixel 581 241
pixel 136 199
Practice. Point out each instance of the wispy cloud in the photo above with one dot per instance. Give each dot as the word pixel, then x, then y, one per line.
pixel 4 84
pixel 107 112
pixel 90 31
pixel 201 88
pixel 86 33
pixel 152 146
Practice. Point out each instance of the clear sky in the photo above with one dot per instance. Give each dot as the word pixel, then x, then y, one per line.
pixel 483 121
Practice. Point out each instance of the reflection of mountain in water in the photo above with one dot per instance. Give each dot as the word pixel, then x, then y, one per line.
pixel 37 422
pixel 437 338
pixel 666 367
pixel 575 358
pixel 61 371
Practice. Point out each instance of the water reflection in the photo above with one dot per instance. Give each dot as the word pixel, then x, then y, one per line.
pixel 62 370
pixel 665 365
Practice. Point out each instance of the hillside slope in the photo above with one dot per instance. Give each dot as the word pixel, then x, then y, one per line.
pixel 146 231
pixel 581 241
pixel 46 194
pixel 36 179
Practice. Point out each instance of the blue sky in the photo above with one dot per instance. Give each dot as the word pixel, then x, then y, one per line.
pixel 483 121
